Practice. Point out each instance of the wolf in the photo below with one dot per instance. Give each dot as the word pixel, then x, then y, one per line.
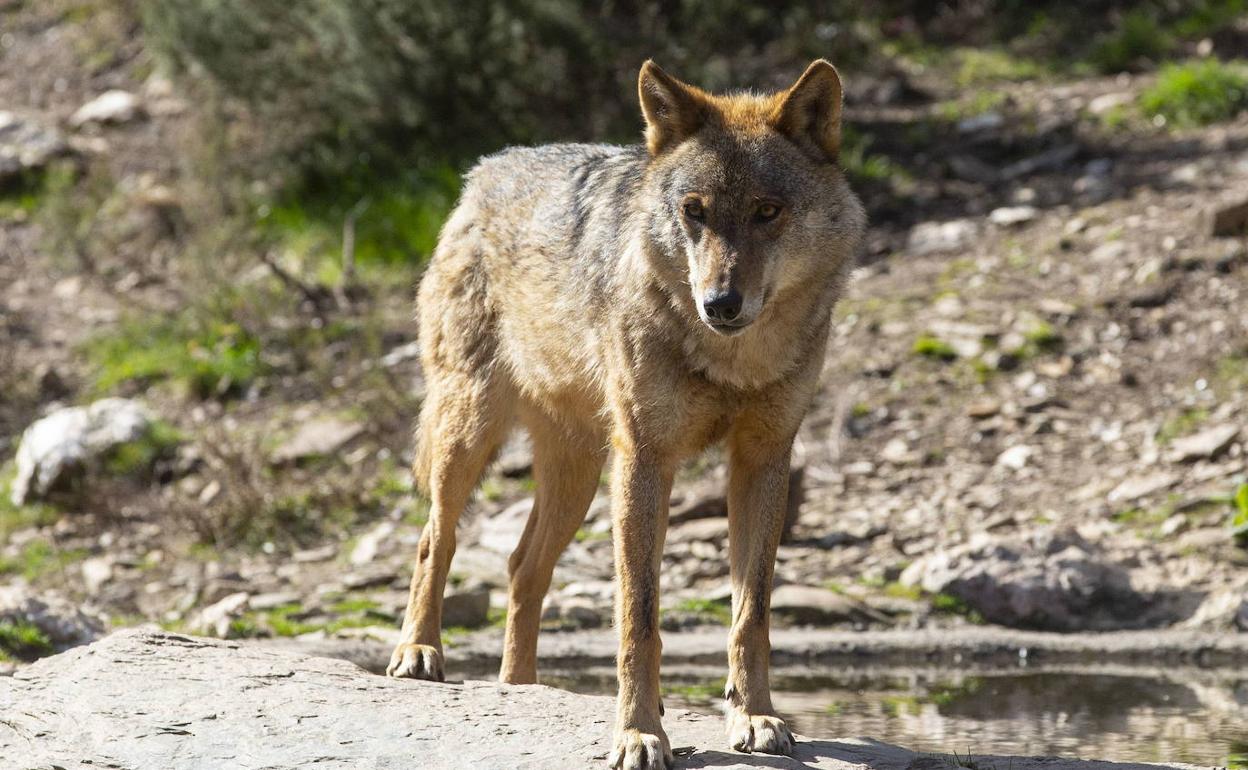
pixel 642 302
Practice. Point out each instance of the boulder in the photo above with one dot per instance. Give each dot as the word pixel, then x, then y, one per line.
pixel 148 700
pixel 70 439
pixel 1050 581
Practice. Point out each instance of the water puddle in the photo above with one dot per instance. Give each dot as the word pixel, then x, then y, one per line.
pixel 1125 714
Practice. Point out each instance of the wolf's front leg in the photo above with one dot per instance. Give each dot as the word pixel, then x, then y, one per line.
pixel 641 485
pixel 758 488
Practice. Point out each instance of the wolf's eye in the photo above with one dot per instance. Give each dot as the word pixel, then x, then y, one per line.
pixel 694 210
pixel 767 212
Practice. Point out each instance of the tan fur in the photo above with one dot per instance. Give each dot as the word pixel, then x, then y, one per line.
pixel 567 294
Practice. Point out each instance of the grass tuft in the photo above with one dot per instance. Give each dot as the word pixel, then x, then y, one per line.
pixel 23 640
pixel 933 347
pixel 1197 93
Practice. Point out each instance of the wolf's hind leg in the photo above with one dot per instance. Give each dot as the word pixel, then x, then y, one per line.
pixel 463 421
pixel 566 466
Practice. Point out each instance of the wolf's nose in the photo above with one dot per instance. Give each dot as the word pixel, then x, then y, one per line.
pixel 722 306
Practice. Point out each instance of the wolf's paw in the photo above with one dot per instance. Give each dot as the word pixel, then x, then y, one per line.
pixel 635 750
pixel 416 661
pixel 758 732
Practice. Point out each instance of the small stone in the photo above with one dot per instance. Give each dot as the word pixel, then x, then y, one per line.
pixel 1205 445
pixel 810 605
pixel 316 438
pixel 501 532
pixel 937 237
pixel 982 122
pixel 26 145
pixel 307 556
pixel 983 409
pixel 369 543
pixel 1230 220
pixel 1173 525
pixel 115 106
pixel 897 452
pixel 1136 487
pixel 1106 102
pixel 271 600
pixel 1009 216
pixel 1016 457
pixel 466 607
pixel 96 571
pixel 215 619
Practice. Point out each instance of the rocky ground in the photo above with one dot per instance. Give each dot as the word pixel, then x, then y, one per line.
pixel 1035 411
pixel 218 704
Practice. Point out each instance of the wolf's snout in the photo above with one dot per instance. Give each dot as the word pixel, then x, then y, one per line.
pixel 722 306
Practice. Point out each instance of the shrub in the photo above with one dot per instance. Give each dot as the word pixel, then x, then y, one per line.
pixel 1197 93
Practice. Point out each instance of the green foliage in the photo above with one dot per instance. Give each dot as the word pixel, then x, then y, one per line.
pixel 384 84
pixel 38 558
pixel 1239 520
pixel 16 517
pixel 1043 336
pixel 1181 424
pixel 864 166
pixel 949 604
pixel 1139 39
pixel 20 197
pixel 708 692
pixel 976 66
pixel 23 640
pixel 930 346
pixel 709 610
pixel 207 357
pixel 396 220
pixel 1198 93
pixel 137 457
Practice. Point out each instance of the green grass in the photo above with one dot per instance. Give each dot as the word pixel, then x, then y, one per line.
pixel 39 558
pixel 1197 93
pixel 948 604
pixel 1181 424
pixel 862 165
pixel 206 357
pixel 137 457
pixel 977 66
pixel 713 611
pixel 396 220
pixel 1237 759
pixel 1239 519
pixel 933 347
pixel 16 517
pixel 21 197
pixel 698 691
pixel 23 641
pixel 1043 336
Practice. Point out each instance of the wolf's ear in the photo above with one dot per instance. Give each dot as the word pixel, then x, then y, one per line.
pixel 810 112
pixel 673 110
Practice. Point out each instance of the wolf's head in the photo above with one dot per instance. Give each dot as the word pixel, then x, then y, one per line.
pixel 746 197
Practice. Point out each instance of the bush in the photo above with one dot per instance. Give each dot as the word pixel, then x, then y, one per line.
pixel 1197 93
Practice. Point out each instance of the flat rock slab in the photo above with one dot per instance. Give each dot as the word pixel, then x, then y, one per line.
pixel 145 700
